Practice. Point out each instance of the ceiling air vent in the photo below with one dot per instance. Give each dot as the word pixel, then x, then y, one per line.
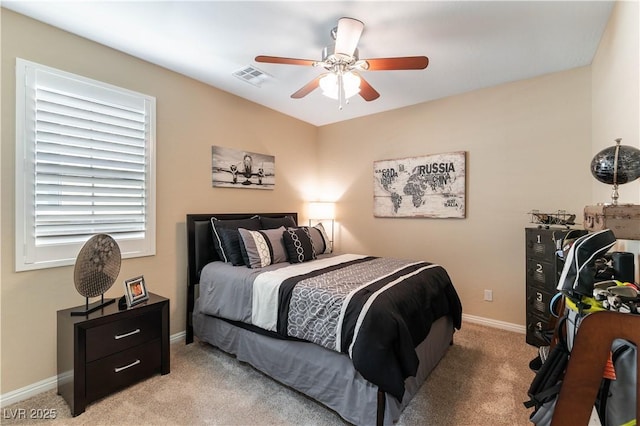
pixel 252 75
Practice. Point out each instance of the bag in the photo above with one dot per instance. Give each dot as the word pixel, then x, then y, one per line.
pixel 578 273
pixel 547 382
pixel 617 399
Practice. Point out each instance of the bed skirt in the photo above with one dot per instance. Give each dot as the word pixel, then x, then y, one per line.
pixel 324 375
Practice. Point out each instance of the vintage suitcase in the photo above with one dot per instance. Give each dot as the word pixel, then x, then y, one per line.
pixel 622 219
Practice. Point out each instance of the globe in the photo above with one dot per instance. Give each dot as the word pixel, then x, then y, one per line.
pixel 603 164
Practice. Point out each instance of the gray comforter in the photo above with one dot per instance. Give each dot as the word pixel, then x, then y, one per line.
pixel 375 309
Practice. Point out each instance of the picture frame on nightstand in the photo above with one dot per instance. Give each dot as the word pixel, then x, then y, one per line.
pixel 135 291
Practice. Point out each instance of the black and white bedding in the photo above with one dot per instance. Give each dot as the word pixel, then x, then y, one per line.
pixel 376 310
pixel 359 334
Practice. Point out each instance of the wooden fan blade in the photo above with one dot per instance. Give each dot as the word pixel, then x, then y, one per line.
pixel 308 88
pixel 285 61
pixel 367 92
pixel 401 63
pixel 348 35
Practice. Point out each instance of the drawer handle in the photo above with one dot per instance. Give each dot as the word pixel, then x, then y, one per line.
pixel 131 333
pixel 119 369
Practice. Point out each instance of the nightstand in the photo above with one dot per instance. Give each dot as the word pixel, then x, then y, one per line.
pixel 110 349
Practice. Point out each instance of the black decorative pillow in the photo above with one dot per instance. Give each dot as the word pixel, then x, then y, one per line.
pixel 262 248
pixel 299 245
pixel 231 251
pixel 226 238
pixel 319 238
pixel 277 222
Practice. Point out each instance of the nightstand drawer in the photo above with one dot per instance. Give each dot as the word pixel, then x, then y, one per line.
pixel 122 369
pixel 116 336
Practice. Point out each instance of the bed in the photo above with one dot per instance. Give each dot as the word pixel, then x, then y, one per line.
pixel 364 355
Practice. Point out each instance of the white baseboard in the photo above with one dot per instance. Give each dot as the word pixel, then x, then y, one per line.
pixel 495 323
pixel 28 391
pixel 177 338
pixel 52 382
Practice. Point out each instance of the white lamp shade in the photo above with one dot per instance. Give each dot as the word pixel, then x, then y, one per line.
pixel 322 210
pixel 330 85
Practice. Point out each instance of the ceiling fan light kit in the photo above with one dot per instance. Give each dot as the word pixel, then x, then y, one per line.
pixel 342 63
pixel 333 85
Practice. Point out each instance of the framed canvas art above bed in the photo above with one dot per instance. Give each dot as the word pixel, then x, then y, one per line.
pixel 233 168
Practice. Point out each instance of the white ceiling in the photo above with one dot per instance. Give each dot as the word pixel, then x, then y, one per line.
pixel 470 44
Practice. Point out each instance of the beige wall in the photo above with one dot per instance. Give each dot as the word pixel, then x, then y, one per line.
pixel 616 100
pixel 191 117
pixel 527 144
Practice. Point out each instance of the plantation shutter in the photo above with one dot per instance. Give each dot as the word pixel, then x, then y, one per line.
pixel 90 168
pixel 85 164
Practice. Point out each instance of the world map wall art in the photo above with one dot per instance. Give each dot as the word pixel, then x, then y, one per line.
pixel 233 168
pixel 432 186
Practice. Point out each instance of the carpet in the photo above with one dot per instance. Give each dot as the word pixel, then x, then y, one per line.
pixel 482 380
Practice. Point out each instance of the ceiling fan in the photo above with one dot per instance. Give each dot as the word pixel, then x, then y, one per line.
pixel 343 65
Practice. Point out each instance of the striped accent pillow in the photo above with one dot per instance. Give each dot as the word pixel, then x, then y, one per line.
pixel 262 248
pixel 320 239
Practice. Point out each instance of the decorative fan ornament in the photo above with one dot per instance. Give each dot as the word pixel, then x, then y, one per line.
pixel 96 269
pixel 342 63
pixel 616 165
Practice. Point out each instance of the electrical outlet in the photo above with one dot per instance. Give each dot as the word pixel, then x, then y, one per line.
pixel 488 295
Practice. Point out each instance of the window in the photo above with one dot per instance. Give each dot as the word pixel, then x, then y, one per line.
pixel 85 164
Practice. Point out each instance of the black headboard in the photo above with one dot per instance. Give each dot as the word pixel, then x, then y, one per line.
pixel 200 251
